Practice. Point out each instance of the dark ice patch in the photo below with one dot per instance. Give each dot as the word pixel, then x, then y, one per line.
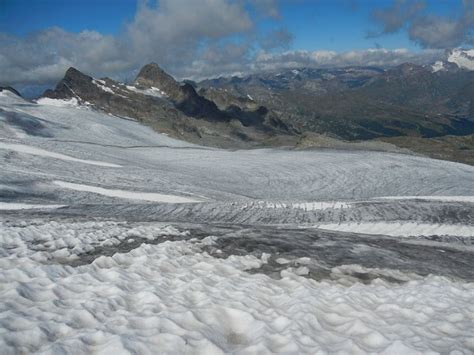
pixel 29 124
pixel 328 250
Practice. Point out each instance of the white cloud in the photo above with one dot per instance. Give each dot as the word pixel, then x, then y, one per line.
pixel 368 57
pixel 424 28
pixel 173 33
pixel 193 39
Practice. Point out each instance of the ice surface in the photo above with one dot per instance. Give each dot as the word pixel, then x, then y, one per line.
pixel 24 206
pixel 307 206
pixel 101 275
pixel 432 198
pixel 173 297
pixel 131 195
pixel 21 148
pixel 402 229
pixel 159 164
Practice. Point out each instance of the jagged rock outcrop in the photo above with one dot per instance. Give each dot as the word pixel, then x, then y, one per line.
pixel 158 100
pixel 74 85
pixel 183 96
pixel 151 75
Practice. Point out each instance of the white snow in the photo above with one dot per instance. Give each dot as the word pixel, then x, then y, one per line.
pixel 150 159
pixel 131 195
pixel 24 206
pixel 307 206
pixel 27 149
pixel 58 102
pixel 101 85
pixel 155 296
pixel 432 198
pixel 150 92
pixel 174 298
pixel 401 229
pixel 314 206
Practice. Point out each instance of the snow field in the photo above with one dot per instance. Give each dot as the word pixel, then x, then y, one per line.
pixel 401 229
pixel 26 149
pixel 57 102
pixel 150 92
pixel 24 206
pixel 104 287
pixel 430 198
pixel 174 298
pixel 130 195
pixel 307 206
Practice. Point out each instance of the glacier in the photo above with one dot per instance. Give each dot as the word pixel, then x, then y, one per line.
pixel 118 238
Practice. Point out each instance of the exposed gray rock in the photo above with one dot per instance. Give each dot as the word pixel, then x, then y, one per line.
pixel 158 100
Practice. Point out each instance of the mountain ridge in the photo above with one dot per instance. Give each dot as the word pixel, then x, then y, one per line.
pixel 292 106
pixel 158 100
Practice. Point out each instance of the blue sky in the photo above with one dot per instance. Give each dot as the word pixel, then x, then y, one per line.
pixel 338 25
pixel 21 17
pixel 191 38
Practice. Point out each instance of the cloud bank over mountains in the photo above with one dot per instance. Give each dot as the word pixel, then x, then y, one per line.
pixel 205 38
pixel 427 30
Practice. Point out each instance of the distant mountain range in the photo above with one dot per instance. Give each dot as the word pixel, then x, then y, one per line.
pixel 299 107
pixel 366 102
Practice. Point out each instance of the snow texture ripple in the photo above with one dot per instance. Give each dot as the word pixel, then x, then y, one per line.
pixel 116 239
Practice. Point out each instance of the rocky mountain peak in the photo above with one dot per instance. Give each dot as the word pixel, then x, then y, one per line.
pixel 74 73
pixel 73 83
pixel 151 75
pixel 183 95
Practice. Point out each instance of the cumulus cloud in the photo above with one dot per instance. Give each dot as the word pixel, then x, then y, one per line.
pixel 370 57
pixel 444 32
pixel 277 39
pixel 190 39
pixel 428 30
pixel 267 7
pixel 394 17
pixel 43 56
pixel 272 61
pixel 171 32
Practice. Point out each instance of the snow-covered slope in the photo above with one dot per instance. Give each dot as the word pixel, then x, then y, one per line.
pixel 116 239
pixel 43 143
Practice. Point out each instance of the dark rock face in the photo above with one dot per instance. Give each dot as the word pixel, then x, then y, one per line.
pixel 183 96
pixel 158 100
pixel 9 88
pixel 151 75
pixel 74 84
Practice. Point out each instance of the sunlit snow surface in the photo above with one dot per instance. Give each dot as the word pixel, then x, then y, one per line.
pixel 116 239
pixel 173 297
